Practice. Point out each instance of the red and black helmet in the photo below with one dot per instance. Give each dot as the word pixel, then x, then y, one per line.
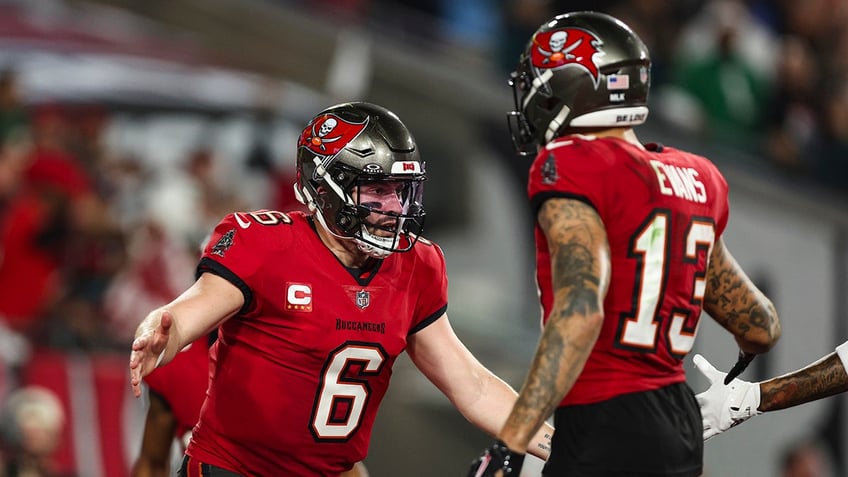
pixel 351 144
pixel 579 70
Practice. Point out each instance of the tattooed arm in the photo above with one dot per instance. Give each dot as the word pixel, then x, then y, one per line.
pixel 821 379
pixel 580 273
pixel 732 299
pixel 725 406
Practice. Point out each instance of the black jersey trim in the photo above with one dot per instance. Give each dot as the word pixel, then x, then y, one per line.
pixel 429 320
pixel 208 265
pixel 655 147
pixel 537 200
pixel 364 275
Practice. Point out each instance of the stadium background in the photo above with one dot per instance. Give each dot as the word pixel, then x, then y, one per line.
pixel 195 106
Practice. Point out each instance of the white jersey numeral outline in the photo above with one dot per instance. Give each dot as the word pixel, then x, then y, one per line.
pixel 341 386
pixel 639 329
pixel 264 217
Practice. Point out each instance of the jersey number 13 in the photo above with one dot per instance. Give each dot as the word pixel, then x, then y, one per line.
pixel 651 246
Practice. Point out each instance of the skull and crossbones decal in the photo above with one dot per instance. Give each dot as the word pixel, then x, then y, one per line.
pixel 319 139
pixel 556 44
pixel 328 134
pixel 567 47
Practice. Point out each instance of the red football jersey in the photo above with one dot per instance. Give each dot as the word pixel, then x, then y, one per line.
pixel 300 371
pixel 182 383
pixel 663 209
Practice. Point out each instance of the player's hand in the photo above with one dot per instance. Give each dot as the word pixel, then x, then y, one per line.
pixel 148 348
pixel 497 461
pixel 725 405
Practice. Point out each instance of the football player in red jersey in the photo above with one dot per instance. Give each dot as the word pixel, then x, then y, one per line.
pixel 175 394
pixel 314 309
pixel 629 251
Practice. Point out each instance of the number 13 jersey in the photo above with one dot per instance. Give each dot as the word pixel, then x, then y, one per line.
pixel 663 209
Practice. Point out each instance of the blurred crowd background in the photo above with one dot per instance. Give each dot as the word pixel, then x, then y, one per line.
pixel 129 128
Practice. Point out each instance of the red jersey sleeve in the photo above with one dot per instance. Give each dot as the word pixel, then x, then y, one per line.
pixel 236 248
pixel 722 201
pixel 432 281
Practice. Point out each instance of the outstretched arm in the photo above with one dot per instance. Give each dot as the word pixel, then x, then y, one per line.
pixel 725 406
pixel 167 330
pixel 581 271
pixel 480 396
pixel 821 379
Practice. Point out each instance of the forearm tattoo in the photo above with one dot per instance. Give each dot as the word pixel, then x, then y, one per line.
pixel 735 302
pixel 579 255
pixel 818 380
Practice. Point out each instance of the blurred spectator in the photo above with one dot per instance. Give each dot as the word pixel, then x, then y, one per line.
pixel 15 157
pixel 837 61
pixel 259 169
pixel 814 20
pixel 185 198
pixel 791 120
pixel 657 22
pixel 32 421
pixel 806 458
pixel 159 268
pixel 86 143
pixel 831 152
pixel 262 172
pixel 13 115
pixel 520 19
pixel 170 226
pixel 32 233
pixel 216 193
pixel 59 242
pixel 727 86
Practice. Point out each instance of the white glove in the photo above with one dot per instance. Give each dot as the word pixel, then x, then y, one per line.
pixel 724 406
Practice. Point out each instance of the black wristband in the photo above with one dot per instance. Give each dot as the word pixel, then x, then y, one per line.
pixel 512 461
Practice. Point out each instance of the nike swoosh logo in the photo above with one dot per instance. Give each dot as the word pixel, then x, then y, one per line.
pixel 242 222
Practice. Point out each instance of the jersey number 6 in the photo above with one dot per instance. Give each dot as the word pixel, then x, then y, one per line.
pixel 343 392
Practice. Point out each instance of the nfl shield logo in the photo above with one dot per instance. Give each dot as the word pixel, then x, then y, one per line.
pixel 363 299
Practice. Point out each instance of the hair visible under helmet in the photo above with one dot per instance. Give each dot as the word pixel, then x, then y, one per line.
pixel 351 144
pixel 579 70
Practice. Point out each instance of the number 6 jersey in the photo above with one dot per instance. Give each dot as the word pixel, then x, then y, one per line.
pixel 663 209
pixel 297 375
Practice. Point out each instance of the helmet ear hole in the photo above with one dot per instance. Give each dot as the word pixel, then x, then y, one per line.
pixel 550 105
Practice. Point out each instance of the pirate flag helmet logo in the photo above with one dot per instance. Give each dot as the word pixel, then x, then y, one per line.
pixel 579 70
pixel 328 134
pixel 570 46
